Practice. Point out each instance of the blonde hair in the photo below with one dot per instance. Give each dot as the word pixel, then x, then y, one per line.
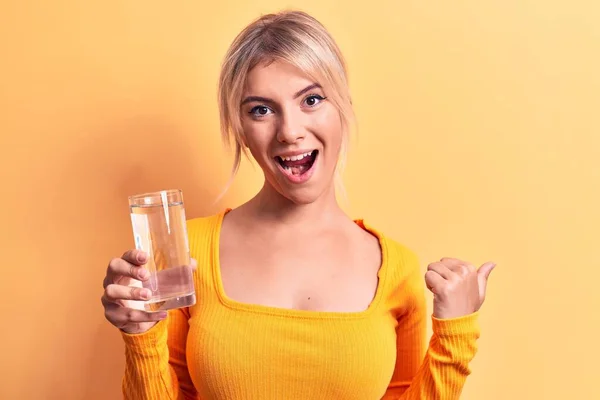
pixel 298 39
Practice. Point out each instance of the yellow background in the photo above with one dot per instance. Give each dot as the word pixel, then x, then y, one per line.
pixel 479 139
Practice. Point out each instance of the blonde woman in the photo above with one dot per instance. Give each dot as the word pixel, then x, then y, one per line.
pixel 295 299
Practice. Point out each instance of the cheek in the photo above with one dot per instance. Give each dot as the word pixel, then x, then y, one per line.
pixel 257 136
pixel 329 127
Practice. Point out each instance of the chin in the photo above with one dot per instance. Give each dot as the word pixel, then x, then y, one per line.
pixel 301 197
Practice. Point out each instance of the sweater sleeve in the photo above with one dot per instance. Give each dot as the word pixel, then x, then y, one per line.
pixel 155 361
pixel 442 372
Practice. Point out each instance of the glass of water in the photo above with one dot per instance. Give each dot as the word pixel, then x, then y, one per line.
pixel 159 229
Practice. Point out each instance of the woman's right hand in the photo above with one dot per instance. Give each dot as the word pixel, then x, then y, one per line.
pixel 124 294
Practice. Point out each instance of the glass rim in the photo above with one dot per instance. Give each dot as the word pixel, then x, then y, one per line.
pixel 156 193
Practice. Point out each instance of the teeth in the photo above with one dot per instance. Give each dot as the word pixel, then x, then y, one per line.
pixel 296 158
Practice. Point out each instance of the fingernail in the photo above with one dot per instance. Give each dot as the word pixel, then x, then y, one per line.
pixel 141 257
pixel 162 315
pixel 143 274
pixel 146 294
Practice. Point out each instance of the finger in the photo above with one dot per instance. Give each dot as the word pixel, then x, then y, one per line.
pixel 486 269
pixel 482 277
pixel 463 269
pixel 434 282
pixel 119 292
pixel 120 316
pixel 194 264
pixel 119 267
pixel 452 262
pixel 441 270
pixel 135 257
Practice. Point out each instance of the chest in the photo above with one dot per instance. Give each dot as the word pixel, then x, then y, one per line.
pixel 321 273
pixel 275 357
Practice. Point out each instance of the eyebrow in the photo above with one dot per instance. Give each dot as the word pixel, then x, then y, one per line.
pixel 299 93
pixel 306 89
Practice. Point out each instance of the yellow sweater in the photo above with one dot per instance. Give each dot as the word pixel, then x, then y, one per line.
pixel 221 349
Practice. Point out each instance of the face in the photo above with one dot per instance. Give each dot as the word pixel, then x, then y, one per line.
pixel 292 130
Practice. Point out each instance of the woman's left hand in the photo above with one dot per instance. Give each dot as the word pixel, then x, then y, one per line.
pixel 458 287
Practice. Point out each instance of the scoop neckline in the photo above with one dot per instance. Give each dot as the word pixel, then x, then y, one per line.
pixel 290 312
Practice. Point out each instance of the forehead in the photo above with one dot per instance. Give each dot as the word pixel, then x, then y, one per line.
pixel 276 78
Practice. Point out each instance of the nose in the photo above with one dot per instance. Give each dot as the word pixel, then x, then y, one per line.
pixel 290 129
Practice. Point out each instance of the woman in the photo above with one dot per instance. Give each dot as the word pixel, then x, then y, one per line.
pixel 295 299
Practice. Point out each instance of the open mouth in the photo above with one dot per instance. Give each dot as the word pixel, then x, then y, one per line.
pixel 296 166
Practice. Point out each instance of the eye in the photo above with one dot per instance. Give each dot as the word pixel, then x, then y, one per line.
pixel 260 111
pixel 313 100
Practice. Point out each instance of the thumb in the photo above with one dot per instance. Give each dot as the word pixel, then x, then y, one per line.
pixel 483 274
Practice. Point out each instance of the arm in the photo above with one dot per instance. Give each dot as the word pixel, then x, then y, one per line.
pixel 441 374
pixel 155 361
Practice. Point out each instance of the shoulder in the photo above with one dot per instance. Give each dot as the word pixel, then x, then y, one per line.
pixel 401 276
pixel 396 254
pixel 401 257
pixel 201 229
pixel 206 222
pixel 401 269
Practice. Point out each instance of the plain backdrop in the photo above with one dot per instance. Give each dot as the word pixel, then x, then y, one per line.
pixel 478 139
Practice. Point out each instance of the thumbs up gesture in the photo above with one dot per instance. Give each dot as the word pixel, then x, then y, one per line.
pixel 457 286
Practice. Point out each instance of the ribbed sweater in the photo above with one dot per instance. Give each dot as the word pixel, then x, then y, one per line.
pixel 222 349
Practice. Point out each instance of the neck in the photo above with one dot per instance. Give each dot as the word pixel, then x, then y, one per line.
pixel 270 205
